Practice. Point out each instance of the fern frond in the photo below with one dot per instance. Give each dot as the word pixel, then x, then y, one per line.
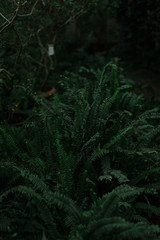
pixel 117 174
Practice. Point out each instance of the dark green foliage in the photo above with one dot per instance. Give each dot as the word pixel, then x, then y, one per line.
pixel 90 157
pixel 85 163
pixel 27 29
pixel 34 204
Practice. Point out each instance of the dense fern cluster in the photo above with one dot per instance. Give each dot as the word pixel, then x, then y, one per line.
pixel 89 156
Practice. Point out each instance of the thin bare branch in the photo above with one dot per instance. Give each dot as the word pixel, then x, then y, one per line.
pixel 31 12
pixel 4 18
pixel 10 75
pixel 34 60
pixel 9 21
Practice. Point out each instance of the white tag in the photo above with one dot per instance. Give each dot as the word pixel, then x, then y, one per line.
pixel 50 49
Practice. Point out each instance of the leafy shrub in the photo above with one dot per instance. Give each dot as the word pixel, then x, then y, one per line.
pixel 97 145
pixel 27 30
pixel 35 212
pixel 31 30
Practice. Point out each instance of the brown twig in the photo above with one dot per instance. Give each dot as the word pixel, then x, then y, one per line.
pixel 9 21
pixel 10 75
pixel 44 54
pixel 34 60
pixel 31 12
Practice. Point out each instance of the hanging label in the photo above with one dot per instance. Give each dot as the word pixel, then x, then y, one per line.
pixel 50 49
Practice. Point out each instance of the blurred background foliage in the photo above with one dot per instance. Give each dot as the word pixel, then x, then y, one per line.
pixel 121 29
pixel 82 33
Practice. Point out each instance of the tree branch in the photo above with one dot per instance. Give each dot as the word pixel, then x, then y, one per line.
pixel 10 75
pixel 8 21
pixel 31 12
